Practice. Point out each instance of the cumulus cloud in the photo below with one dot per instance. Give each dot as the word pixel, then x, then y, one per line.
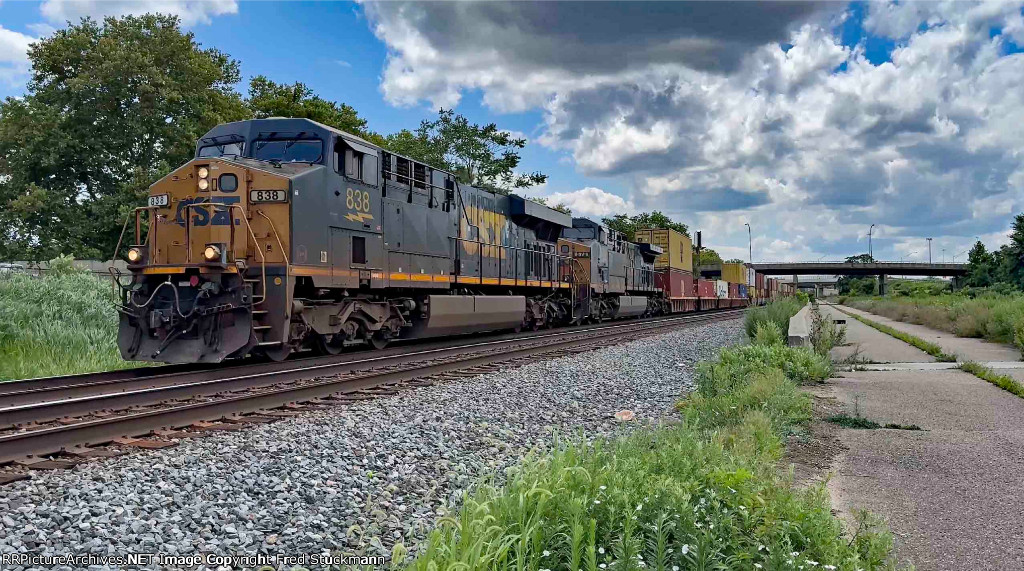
pixel 190 11
pixel 759 110
pixel 14 64
pixel 592 202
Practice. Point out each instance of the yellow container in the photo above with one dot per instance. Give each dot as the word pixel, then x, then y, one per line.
pixel 734 273
pixel 677 248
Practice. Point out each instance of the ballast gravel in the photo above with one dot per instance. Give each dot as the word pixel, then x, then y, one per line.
pixel 355 478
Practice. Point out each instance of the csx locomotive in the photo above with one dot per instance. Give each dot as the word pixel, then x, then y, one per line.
pixel 283 234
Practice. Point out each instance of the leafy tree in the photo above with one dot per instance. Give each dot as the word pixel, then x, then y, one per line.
pixel 480 155
pixel 850 285
pixel 707 257
pixel 628 225
pixel 735 261
pixel 980 266
pixel 270 99
pixel 110 108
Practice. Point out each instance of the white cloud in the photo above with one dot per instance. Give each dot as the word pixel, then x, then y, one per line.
pixel 14 64
pixel 811 143
pixel 592 202
pixel 190 11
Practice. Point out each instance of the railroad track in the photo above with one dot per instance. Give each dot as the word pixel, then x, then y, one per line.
pixel 74 415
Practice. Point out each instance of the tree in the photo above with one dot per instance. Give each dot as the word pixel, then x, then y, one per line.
pixel 270 99
pixel 483 156
pixel 707 257
pixel 980 266
pixel 849 285
pixel 735 261
pixel 110 108
pixel 628 225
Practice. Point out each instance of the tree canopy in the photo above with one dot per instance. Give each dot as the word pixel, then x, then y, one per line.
pixel 269 99
pixel 628 225
pixel 481 155
pixel 110 108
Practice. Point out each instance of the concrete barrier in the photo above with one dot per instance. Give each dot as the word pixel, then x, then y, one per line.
pixel 800 328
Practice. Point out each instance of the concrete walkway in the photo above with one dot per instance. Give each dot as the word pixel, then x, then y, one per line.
pixel 965 348
pixel 952 493
pixel 863 340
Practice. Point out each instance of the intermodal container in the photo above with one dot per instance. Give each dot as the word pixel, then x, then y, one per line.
pixel 734 273
pixel 706 288
pixel 759 281
pixel 676 247
pixel 734 291
pixel 721 289
pixel 675 283
pixel 743 291
pixel 751 277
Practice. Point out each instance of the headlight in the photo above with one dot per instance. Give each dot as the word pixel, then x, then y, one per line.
pixel 134 255
pixel 211 253
pixel 204 172
pixel 204 184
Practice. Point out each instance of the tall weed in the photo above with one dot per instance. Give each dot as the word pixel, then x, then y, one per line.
pixel 776 313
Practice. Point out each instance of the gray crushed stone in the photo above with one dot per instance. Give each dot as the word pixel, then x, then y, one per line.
pixel 353 479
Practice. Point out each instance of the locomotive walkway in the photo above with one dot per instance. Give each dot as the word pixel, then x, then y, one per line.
pixel 951 491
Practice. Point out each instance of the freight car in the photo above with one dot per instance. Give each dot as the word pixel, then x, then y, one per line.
pixel 283 234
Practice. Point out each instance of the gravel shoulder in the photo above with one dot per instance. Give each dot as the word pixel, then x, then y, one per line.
pixel 357 478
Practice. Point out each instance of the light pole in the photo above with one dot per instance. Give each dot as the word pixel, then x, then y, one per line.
pixel 750 243
pixel 943 255
pixel 871 254
pixel 929 250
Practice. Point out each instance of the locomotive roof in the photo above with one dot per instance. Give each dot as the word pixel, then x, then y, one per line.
pixel 251 128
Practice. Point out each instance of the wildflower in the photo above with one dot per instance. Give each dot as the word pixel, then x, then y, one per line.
pixel 794 554
pixel 685 549
pixel 602 487
pixel 675 568
pixel 639 507
pixel 760 547
pixel 699 524
pixel 638 556
pixel 602 566
pixel 597 501
pixel 812 563
pixel 546 553
pixel 600 550
pixel 758 565
pixel 830 567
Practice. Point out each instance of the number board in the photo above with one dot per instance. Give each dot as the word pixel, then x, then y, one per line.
pixel 268 196
pixel 159 200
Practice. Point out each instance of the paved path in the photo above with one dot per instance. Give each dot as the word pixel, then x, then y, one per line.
pixel 862 340
pixel 953 493
pixel 965 348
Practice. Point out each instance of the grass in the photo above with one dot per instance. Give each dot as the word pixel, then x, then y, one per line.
pixel 926 346
pixel 847 421
pixel 704 493
pixel 1004 382
pixel 61 324
pixel 991 316
pixel 776 313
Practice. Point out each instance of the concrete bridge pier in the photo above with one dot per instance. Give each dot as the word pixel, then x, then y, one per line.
pixel 881 284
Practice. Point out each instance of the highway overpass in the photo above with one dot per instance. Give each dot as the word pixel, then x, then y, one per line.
pixel 880 269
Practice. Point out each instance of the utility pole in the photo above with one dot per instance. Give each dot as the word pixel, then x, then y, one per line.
pixel 929 250
pixel 750 243
pixel 871 254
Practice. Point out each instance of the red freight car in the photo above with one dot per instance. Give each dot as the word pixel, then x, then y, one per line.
pixel 679 287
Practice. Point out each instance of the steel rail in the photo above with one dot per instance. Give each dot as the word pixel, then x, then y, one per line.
pixel 28 391
pixel 38 442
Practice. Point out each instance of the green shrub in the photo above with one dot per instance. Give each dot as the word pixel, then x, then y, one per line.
pixel 768 334
pixel 776 313
pixel 62 323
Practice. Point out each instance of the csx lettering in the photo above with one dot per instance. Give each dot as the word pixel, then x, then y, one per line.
pixel 201 216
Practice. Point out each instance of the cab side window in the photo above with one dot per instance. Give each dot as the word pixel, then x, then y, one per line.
pixel 354 164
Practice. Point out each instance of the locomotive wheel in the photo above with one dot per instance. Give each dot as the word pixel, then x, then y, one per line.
pixel 278 353
pixel 379 341
pixel 327 344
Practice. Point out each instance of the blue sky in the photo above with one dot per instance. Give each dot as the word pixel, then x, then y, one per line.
pixel 808 121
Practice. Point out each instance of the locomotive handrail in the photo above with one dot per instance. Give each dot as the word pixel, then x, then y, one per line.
pixel 276 236
pixel 548 255
pixel 231 243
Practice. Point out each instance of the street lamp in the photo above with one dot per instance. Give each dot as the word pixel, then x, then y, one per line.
pixel 943 255
pixel 929 250
pixel 871 254
pixel 750 243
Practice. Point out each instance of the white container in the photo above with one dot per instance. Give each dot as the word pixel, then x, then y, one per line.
pixel 751 276
pixel 722 289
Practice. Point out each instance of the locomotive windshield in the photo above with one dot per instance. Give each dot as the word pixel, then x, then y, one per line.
pixel 227 149
pixel 288 150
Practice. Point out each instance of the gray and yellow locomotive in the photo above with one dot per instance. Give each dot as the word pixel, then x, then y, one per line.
pixel 284 233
